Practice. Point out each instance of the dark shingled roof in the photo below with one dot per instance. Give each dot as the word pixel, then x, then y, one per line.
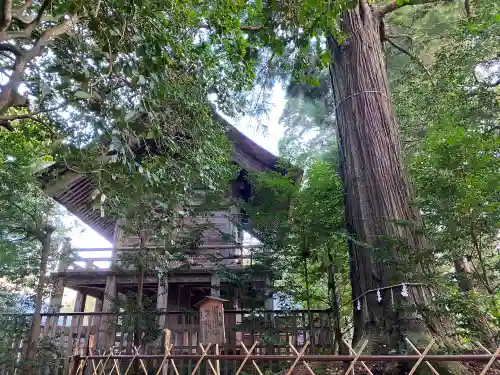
pixel 74 191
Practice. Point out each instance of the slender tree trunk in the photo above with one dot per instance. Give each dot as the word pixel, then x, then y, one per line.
pixel 479 323
pixel 335 306
pixel 308 300
pixel 483 275
pixel 36 323
pixel 377 194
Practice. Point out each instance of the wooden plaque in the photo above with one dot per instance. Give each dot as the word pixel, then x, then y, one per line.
pixel 212 329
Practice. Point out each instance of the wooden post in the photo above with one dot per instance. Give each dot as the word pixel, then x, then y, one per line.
pixel 162 301
pixel 107 326
pixel 167 346
pixel 94 321
pixel 77 321
pixel 81 299
pixel 217 362
pixel 55 306
pixel 57 295
pixel 215 285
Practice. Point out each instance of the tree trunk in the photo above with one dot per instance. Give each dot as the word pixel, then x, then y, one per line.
pixel 478 323
pixel 335 306
pixel 379 214
pixel 464 274
pixel 308 301
pixel 36 323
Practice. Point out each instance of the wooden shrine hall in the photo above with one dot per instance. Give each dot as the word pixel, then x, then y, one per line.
pixel 246 311
pixel 93 273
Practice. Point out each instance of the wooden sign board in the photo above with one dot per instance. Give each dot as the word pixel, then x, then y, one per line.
pixel 212 329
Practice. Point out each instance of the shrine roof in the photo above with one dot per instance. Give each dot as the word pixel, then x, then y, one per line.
pixel 74 191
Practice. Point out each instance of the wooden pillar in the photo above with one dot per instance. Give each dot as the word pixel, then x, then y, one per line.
pixel 214 285
pixel 107 326
pixel 81 298
pixel 234 219
pixel 269 301
pixel 56 297
pixel 95 318
pixel 77 321
pixel 232 335
pixel 162 305
pixel 55 305
pixel 162 301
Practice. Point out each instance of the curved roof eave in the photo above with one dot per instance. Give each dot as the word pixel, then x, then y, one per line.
pixel 74 191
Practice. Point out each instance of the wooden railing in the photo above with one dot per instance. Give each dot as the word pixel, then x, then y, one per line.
pixel 65 332
pixel 103 259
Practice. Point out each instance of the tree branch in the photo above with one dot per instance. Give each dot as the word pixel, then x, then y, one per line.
pixel 50 34
pixel 391 7
pixel 242 28
pixel 30 27
pixel 17 13
pixel 251 28
pixel 31 115
pixel 25 58
pixel 467 8
pixel 409 54
pixel 5 15
pixel 10 48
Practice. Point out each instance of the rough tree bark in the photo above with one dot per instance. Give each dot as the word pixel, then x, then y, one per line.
pixel 45 238
pixel 377 193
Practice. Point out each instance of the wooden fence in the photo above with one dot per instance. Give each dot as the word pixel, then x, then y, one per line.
pixel 295 362
pixel 64 333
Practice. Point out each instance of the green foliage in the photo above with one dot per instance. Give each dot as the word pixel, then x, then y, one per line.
pixel 317 234
pixel 28 218
pixel 303 260
pixel 450 122
pixel 25 209
pixel 308 122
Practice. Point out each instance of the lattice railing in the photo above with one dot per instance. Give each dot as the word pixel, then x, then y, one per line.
pixel 113 363
pixel 273 329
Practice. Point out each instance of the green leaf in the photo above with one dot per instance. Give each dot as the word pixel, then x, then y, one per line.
pixel 258 4
pixel 95 95
pixel 82 95
pixel 130 116
pixel 141 51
